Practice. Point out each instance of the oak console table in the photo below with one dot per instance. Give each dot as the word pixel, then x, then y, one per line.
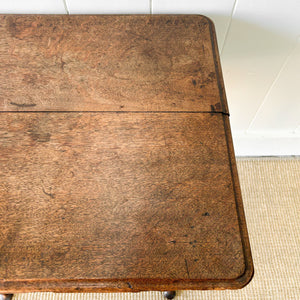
pixel 117 170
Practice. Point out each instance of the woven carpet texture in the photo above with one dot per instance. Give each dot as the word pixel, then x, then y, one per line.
pixel 271 196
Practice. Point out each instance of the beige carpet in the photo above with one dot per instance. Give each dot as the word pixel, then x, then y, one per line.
pixel 271 193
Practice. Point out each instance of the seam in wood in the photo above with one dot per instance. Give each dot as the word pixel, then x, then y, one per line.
pixel 117 112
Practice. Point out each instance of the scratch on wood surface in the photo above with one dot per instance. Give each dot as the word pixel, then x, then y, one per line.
pixel 62 64
pixel 40 136
pixel 187 268
pixel 52 196
pixel 23 104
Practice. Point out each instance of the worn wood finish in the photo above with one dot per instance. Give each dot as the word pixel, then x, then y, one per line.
pixel 101 192
pixel 92 63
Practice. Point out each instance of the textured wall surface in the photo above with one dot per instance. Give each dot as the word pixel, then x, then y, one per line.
pixel 259 43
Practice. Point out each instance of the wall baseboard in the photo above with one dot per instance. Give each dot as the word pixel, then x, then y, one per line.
pixel 249 144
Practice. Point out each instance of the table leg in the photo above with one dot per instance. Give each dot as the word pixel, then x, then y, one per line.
pixel 170 294
pixel 6 296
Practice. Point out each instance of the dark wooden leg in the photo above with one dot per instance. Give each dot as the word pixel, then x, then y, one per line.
pixel 6 296
pixel 170 294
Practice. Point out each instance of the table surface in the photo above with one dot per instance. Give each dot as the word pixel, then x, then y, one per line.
pixel 117 166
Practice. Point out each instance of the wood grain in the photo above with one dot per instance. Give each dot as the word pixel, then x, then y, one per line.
pixel 108 63
pixel 117 169
pixel 90 195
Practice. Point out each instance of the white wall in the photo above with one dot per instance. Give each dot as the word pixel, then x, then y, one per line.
pixel 259 42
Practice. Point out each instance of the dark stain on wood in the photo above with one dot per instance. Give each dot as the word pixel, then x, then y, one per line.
pixel 218 106
pixel 39 136
pixel 12 26
pixel 30 78
pixel 129 285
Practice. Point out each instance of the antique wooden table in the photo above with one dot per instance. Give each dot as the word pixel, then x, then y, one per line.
pixel 117 171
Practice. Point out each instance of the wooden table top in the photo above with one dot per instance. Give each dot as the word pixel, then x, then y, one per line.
pixel 116 161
